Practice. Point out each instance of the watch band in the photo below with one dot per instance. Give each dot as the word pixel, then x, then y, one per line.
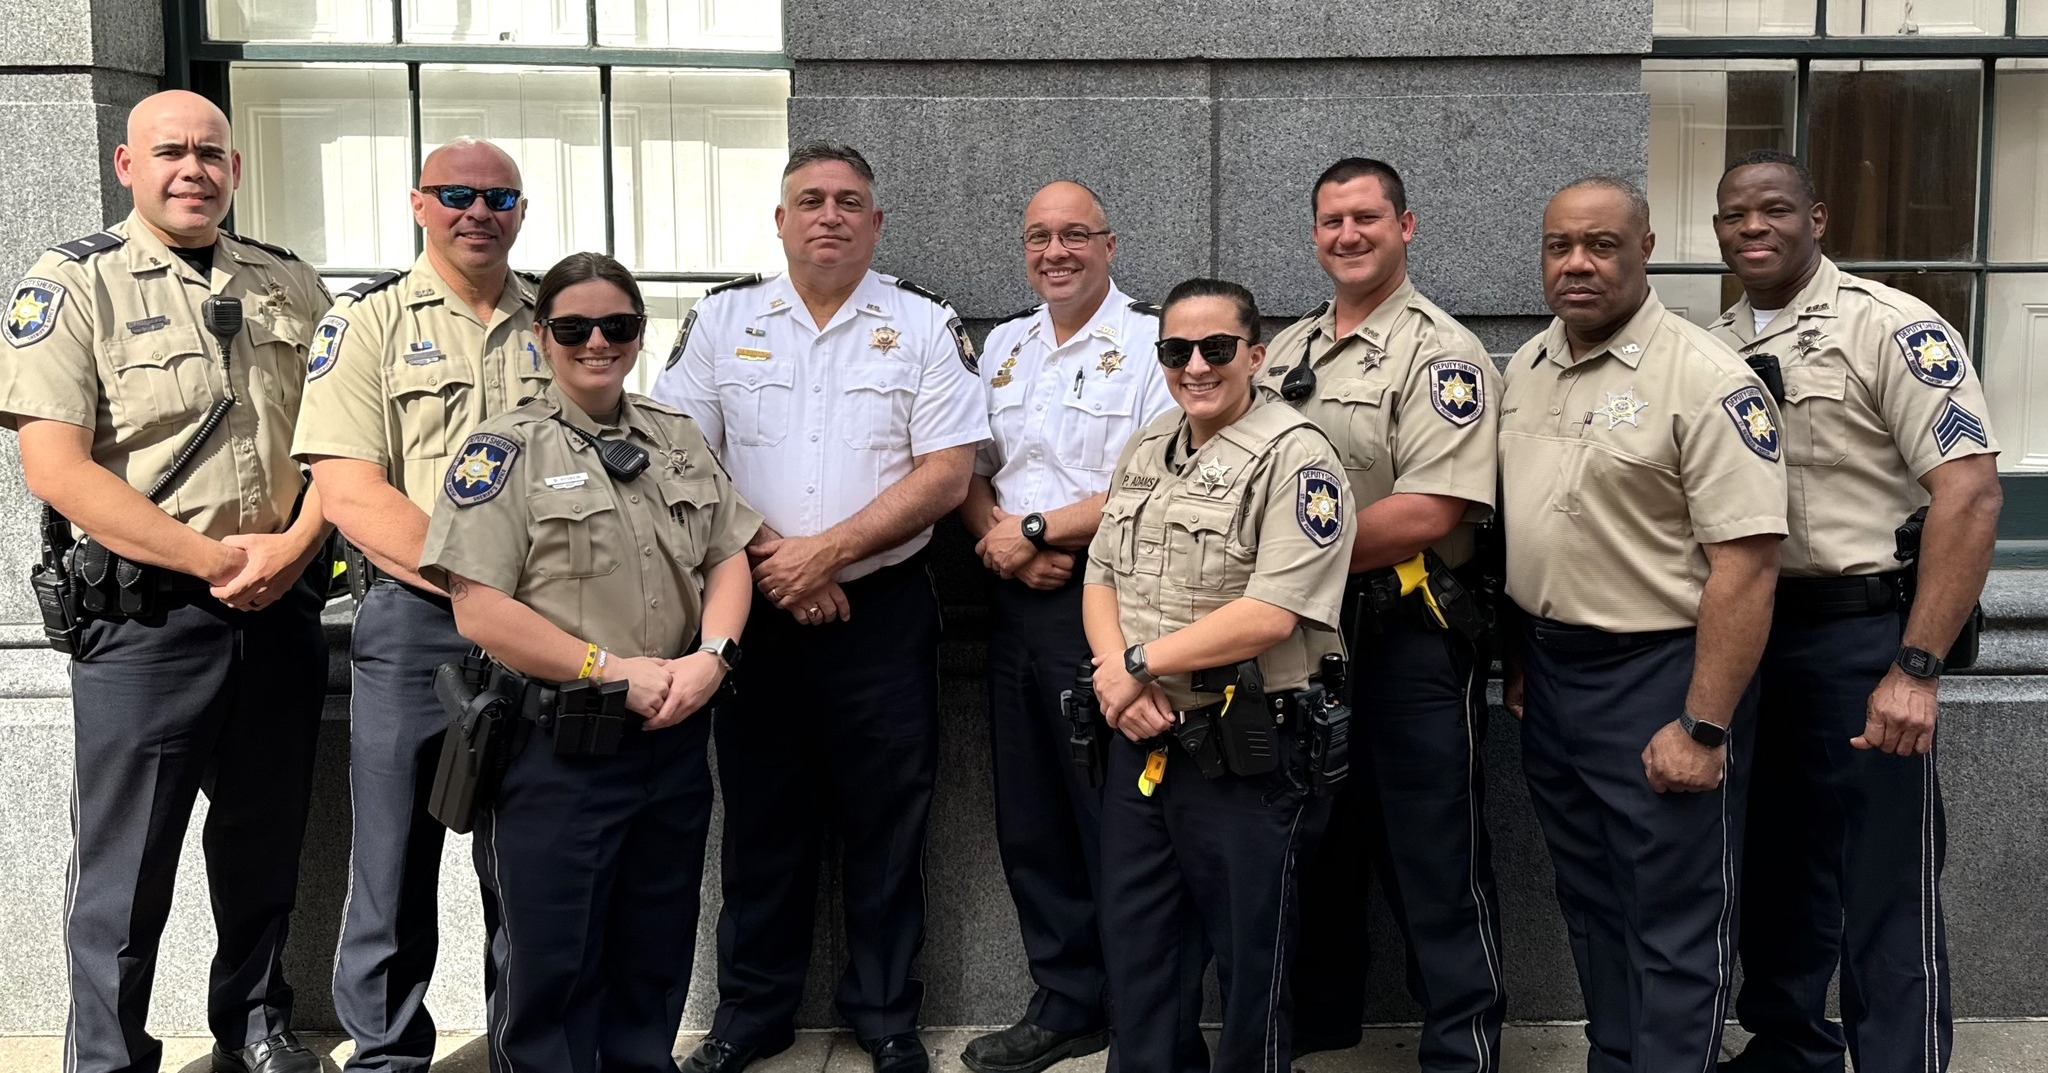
pixel 1919 663
pixel 1034 526
pixel 1135 666
pixel 1711 735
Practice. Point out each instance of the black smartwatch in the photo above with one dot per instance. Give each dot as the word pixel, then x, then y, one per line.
pixel 1920 663
pixel 725 648
pixel 1711 735
pixel 1134 664
pixel 1034 530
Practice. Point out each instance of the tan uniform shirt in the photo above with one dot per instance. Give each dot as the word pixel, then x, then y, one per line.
pixel 1616 466
pixel 526 508
pixel 1258 511
pixel 1878 391
pixel 1408 397
pixel 104 333
pixel 401 370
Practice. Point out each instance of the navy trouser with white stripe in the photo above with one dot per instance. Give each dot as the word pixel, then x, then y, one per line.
pixel 1647 881
pixel 1414 811
pixel 1202 865
pixel 1854 875
pixel 215 700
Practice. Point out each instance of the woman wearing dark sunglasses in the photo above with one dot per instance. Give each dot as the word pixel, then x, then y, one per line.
pixel 1213 591
pixel 592 546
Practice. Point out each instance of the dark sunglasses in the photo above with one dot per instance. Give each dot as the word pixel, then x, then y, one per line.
pixel 617 328
pixel 457 196
pixel 1219 349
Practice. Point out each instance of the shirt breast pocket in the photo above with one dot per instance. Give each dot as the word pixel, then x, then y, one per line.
pixel 1816 415
pixel 1360 431
pixel 431 400
pixel 1095 424
pixel 576 533
pixel 1199 552
pixel 690 502
pixel 757 397
pixel 878 400
pixel 280 367
pixel 159 378
pixel 1130 553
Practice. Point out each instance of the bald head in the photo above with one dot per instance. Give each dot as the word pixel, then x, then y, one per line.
pixel 181 165
pixel 1069 195
pixel 174 109
pixel 462 160
pixel 471 240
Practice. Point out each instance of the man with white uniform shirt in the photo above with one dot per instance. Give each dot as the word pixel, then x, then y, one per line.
pixel 843 404
pixel 1067 382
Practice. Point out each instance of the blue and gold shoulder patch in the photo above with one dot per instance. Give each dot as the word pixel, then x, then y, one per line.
pixel 1319 505
pixel 32 313
pixel 1752 417
pixel 675 353
pixel 1954 424
pixel 1931 356
pixel 326 348
pixel 1455 389
pixel 480 470
pixel 964 346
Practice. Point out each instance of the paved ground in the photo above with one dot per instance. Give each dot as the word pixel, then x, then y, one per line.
pixel 1981 1047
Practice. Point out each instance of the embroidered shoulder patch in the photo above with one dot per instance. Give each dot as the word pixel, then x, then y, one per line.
pixel 1954 424
pixel 326 348
pixel 32 313
pixel 480 469
pixel 1931 356
pixel 675 354
pixel 964 345
pixel 1456 391
pixel 1318 505
pixel 1752 417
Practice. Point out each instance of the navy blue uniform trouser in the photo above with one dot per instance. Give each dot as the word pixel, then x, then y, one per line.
pixel 1856 880
pixel 1047 816
pixel 214 700
pixel 390 932
pixel 1647 882
pixel 834 726
pixel 596 864
pixel 1202 866
pixel 1414 813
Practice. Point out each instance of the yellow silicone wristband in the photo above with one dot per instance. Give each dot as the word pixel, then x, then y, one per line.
pixel 589 661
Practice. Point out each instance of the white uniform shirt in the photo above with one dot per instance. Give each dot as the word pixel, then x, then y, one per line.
pixel 813 424
pixel 1059 415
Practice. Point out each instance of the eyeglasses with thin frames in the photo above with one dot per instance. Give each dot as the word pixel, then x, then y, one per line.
pixel 1073 238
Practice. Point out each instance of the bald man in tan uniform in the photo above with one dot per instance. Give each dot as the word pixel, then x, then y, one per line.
pixel 401 371
pixel 1412 401
pixel 1883 416
pixel 1644 499
pixel 200 663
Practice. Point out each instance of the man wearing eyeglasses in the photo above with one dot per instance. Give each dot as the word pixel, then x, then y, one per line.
pixel 1067 383
pixel 843 403
pixel 1408 396
pixel 403 368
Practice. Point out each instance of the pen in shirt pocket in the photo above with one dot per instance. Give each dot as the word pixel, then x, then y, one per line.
pixel 1079 375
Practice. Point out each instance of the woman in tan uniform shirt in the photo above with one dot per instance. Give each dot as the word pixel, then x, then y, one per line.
pixel 575 568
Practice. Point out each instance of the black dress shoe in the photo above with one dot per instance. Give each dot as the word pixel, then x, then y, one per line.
pixel 1027 1048
pixel 715 1055
pixel 282 1053
pixel 900 1054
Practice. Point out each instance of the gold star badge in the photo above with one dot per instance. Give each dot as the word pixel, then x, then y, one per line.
pixel 1322 506
pixel 1209 475
pixel 1760 427
pixel 885 339
pixel 1112 360
pixel 1621 409
pixel 1456 390
pixel 27 310
pixel 1934 354
pixel 477 467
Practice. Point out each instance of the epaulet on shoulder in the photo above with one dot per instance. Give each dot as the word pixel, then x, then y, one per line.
pixel 648 402
pixel 747 280
pixel 1018 315
pixel 1316 312
pixel 530 277
pixel 922 293
pixel 78 249
pixel 371 286
pixel 1146 308
pixel 280 252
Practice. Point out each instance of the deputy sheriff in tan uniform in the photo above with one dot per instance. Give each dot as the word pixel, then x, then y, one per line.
pixel 1883 417
pixel 1223 544
pixel 574 569
pixel 1644 499
pixel 400 372
pixel 152 371
pixel 1412 401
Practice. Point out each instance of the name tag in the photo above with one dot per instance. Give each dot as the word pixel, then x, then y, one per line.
pixel 747 353
pixel 423 353
pixel 1132 480
pixel 567 480
pixel 148 324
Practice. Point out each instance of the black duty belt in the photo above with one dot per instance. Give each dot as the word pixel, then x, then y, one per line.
pixel 1284 707
pixel 1861 594
pixel 1552 636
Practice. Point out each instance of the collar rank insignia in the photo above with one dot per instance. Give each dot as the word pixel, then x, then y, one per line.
pixel 1318 501
pixel 1112 360
pixel 1458 396
pixel 885 339
pixel 1931 356
pixel 32 314
pixel 872 308
pixel 1753 422
pixel 480 470
pixel 1631 349
pixel 326 348
pixel 1209 475
pixel 1621 409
